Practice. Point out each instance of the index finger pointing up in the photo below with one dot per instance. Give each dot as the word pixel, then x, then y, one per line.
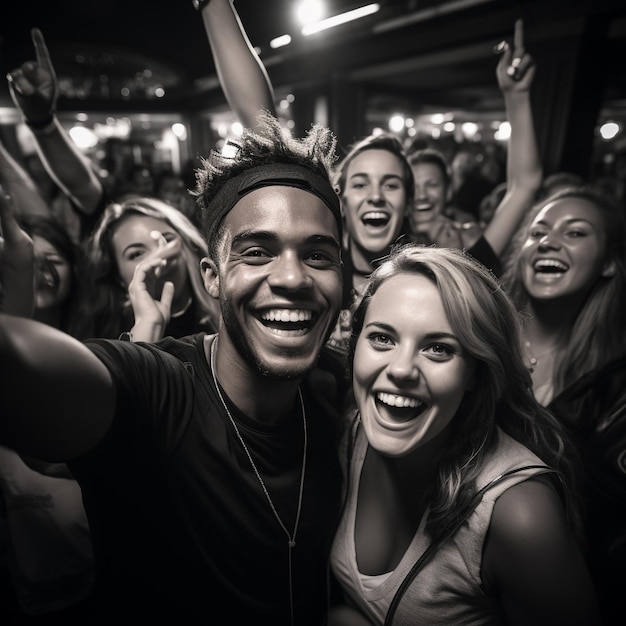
pixel 518 38
pixel 41 50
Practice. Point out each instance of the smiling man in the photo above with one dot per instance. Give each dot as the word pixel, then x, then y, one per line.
pixel 208 464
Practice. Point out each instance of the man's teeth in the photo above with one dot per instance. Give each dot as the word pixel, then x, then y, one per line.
pixel 402 402
pixel 286 315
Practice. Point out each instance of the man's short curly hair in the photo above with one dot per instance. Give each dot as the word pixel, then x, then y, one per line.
pixel 271 144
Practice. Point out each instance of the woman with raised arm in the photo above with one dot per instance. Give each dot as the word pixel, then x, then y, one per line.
pixel 429 225
pixel 567 273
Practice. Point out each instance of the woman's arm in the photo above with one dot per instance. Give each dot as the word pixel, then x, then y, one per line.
pixel 17 263
pixel 18 183
pixel 34 90
pixel 242 75
pixel 532 562
pixel 515 73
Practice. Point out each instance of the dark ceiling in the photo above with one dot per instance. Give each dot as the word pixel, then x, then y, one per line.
pixel 429 52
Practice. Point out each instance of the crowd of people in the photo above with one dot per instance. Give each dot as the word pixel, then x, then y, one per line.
pixel 318 387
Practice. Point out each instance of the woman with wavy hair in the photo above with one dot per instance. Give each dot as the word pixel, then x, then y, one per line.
pixel 142 274
pixel 461 488
pixel 567 274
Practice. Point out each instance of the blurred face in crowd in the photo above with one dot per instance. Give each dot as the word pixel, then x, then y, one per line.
pixel 54 275
pixel 374 199
pixel 563 255
pixel 431 193
pixel 172 190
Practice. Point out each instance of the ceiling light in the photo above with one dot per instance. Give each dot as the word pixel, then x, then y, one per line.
pixel 279 42
pixel 343 18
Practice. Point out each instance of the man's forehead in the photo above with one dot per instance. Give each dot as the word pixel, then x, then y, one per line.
pixel 281 179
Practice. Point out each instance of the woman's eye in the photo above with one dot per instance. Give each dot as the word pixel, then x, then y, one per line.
pixel 440 350
pixel 380 340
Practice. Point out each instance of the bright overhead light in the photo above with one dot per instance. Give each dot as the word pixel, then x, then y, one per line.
pixel 279 42
pixel 343 18
pixel 396 123
pixel 309 11
pixel 83 137
pixel 608 130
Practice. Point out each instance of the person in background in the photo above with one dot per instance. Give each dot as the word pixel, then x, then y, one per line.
pixel 170 187
pixel 136 181
pixel 559 180
pixel 451 465
pixel 47 557
pixel 208 464
pixel 567 274
pixel 429 225
pixel 57 259
pixel 375 185
pixel 469 186
pixel 34 90
pixel 141 275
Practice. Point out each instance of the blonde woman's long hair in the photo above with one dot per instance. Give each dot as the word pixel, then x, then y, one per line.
pixel 488 326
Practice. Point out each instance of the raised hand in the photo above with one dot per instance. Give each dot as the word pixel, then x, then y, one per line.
pixel 516 68
pixel 33 85
pixel 17 263
pixel 151 298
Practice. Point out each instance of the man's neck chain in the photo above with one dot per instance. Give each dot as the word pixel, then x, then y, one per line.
pixel 290 536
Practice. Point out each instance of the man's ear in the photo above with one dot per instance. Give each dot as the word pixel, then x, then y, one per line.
pixel 210 277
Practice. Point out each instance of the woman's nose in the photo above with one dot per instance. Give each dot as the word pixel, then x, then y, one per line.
pixel 403 366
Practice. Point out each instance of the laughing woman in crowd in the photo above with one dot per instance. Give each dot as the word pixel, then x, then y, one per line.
pixel 567 273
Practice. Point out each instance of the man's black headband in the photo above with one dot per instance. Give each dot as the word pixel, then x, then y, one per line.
pixel 281 174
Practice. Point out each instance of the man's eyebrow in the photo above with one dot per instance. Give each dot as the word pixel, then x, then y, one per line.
pixel 268 236
pixel 324 240
pixel 246 235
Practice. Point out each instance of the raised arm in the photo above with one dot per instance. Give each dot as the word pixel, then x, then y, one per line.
pixel 243 77
pixel 34 90
pixel 18 183
pixel 17 263
pixel 515 73
pixel 56 397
